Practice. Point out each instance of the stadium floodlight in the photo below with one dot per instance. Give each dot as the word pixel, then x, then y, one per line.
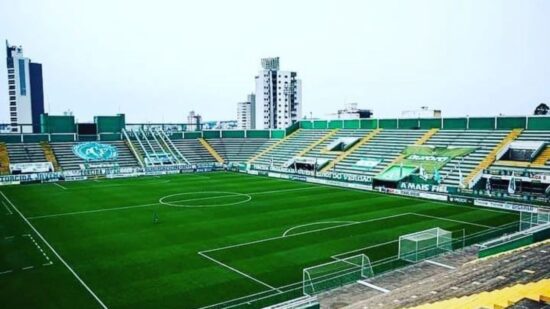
pixel 424 244
pixel 328 276
pixel 529 220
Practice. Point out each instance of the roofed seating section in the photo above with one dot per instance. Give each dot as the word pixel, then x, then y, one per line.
pixel 320 151
pixel 485 141
pixel 26 153
pixel 290 147
pixel 239 149
pixel 385 146
pixel 69 161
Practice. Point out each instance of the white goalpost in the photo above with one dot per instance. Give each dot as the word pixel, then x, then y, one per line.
pixel 335 274
pixel 422 245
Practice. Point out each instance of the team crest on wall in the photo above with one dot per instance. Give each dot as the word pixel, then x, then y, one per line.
pixel 93 151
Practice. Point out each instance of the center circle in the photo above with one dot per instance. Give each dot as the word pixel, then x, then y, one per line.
pixel 205 199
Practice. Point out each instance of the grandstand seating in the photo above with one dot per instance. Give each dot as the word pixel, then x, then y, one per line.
pixel 26 153
pixel 319 150
pixel 385 146
pixel 193 151
pixel 424 282
pixel 484 141
pixel 291 146
pixel 211 150
pixel 542 160
pixel 239 149
pixel 69 161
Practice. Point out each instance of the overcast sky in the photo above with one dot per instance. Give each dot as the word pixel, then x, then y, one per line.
pixel 157 60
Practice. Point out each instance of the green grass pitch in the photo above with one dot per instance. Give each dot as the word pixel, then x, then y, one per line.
pixel 195 240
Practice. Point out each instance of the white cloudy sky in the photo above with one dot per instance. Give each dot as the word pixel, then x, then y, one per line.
pixel 156 60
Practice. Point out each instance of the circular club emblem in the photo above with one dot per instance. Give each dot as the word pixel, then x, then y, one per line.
pixel 93 151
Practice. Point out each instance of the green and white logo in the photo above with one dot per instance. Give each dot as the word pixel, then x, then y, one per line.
pixel 93 151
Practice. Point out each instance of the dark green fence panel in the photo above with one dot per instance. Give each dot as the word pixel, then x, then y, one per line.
pixel 509 123
pixel 320 124
pixel 10 138
pixel 57 124
pixel 233 134
pixel 87 138
pixel 293 127
pixel 192 135
pixel 352 124
pixel 306 124
pixel 408 123
pixel 110 124
pixel 35 138
pixel 370 124
pixel 336 124
pixel 211 134
pixel 109 137
pixel 62 138
pixel 434 123
pixel 481 123
pixel 277 133
pixel 455 123
pixel 176 135
pixel 388 123
pixel 514 244
pixel 539 123
pixel 257 134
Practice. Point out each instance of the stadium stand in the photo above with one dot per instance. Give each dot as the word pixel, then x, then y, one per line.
pixel 69 161
pixel 426 282
pixel 319 150
pixel 386 146
pixel 239 149
pixel 289 147
pixel 211 150
pixel 26 153
pixel 193 151
pixel 50 155
pixel 485 141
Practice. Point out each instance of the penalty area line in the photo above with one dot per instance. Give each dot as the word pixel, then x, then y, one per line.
pixel 54 252
pixel 239 272
pixel 60 186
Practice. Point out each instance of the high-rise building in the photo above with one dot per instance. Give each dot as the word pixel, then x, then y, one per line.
pixel 246 113
pixel 279 94
pixel 194 121
pixel 25 89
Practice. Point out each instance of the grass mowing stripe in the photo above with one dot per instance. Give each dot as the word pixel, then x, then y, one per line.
pixel 55 252
pixel 452 220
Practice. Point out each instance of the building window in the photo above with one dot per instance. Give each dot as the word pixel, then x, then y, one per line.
pixel 22 78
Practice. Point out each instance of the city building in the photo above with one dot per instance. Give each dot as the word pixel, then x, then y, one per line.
pixel 25 89
pixel 423 112
pixel 279 95
pixel 193 121
pixel 246 113
pixel 351 111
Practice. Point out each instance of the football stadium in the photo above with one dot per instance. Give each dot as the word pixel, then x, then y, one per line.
pixel 361 213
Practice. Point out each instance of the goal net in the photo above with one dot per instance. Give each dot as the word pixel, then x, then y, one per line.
pixel 335 274
pixel 529 220
pixel 424 244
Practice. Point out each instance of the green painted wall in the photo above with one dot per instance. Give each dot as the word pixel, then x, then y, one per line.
pixel 430 124
pixel 35 138
pixel 211 134
pixel 352 124
pixel 388 123
pixel 455 123
pixel 233 134
pixel 192 135
pixel 482 123
pixel 509 123
pixel 320 124
pixel 408 124
pixel 257 133
pixel 306 124
pixel 539 123
pixel 110 124
pixel 57 124
pixel 109 137
pixel 336 124
pixel 278 133
pixel 369 124
pixel 62 137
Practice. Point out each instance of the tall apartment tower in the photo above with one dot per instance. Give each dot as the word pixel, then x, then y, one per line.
pixel 246 113
pixel 279 94
pixel 25 89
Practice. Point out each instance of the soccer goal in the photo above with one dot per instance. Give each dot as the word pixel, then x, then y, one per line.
pixel 424 244
pixel 335 274
pixel 529 220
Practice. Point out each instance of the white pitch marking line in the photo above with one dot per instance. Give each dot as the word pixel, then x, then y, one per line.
pixel 90 211
pixel 60 186
pixel 239 272
pixel 440 264
pixel 27 268
pixel 316 223
pixel 7 208
pixel 372 286
pixel 453 220
pixel 55 252
pixel 6 272
pixel 9 237
pixel 302 233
